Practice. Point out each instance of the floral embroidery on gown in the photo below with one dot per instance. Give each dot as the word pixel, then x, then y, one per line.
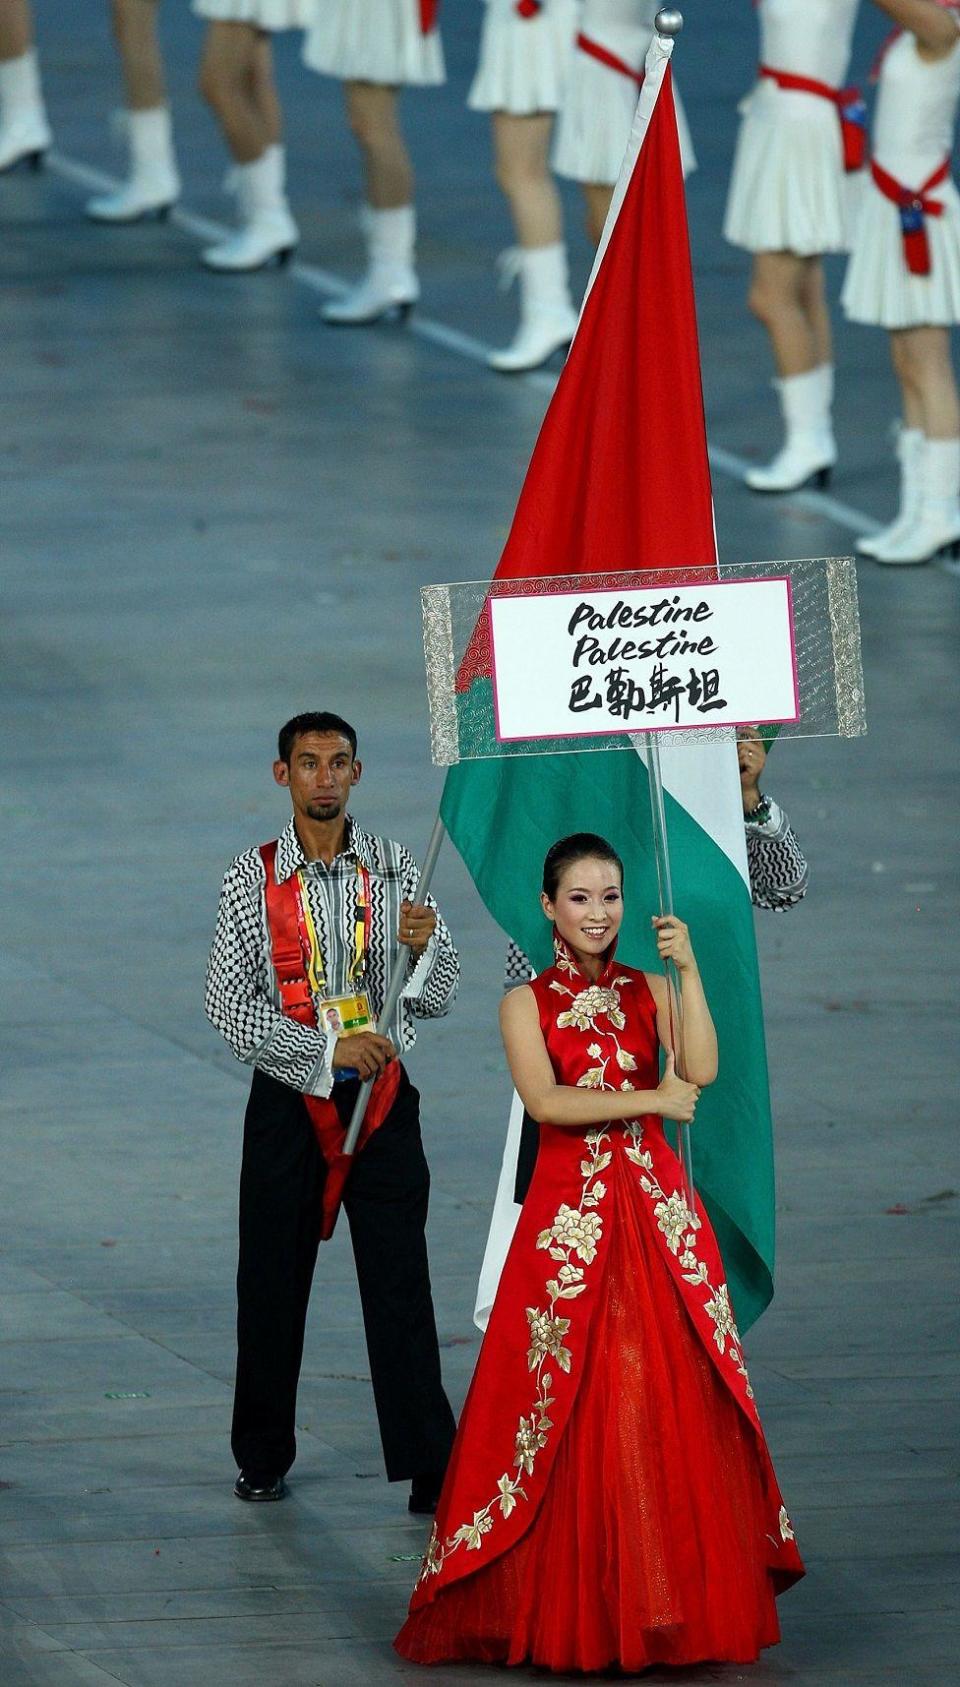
pixel 610 1499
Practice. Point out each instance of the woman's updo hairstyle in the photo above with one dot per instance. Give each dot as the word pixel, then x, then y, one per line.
pixel 579 846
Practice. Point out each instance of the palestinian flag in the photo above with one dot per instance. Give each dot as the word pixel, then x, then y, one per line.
pixel 619 480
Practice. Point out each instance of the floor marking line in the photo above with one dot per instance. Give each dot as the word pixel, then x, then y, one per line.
pixel 465 345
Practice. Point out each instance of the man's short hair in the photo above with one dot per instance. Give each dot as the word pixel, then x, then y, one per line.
pixel 319 720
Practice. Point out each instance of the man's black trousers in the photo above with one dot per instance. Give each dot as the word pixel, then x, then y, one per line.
pixel 281 1184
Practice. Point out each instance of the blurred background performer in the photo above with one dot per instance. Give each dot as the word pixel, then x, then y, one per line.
pixel 376 47
pixel 153 181
pixel 525 52
pixel 904 273
pixel 24 130
pixel 789 203
pixel 236 80
pixel 600 101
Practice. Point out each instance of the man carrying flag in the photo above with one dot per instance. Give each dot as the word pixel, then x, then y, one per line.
pixel 305 939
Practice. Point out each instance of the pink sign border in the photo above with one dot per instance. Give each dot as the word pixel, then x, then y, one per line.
pixel 625 732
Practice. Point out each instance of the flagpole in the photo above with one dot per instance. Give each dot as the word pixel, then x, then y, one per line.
pixel 397 980
pixel 661 851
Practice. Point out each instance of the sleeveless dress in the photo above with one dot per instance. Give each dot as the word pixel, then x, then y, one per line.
pixel 263 14
pixel 524 61
pixel 600 101
pixel 610 1499
pixel 913 132
pixel 391 42
pixel 788 190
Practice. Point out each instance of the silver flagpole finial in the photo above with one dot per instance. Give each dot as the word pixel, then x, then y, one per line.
pixel 668 21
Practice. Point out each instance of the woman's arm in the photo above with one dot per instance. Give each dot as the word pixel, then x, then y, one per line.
pixel 934 26
pixel 700 1058
pixel 563 1104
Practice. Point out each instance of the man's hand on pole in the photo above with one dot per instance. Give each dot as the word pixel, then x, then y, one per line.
pixel 417 925
pixel 363 1052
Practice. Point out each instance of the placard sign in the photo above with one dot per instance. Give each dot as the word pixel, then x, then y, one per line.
pixel 575 664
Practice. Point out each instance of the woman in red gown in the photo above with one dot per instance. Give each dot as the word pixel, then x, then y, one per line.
pixel 610 1500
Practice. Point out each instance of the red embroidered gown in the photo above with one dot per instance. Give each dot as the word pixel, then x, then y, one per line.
pixel 610 1499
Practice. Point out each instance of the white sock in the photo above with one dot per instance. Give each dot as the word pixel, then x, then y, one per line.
pixel 804 401
pixel 20 84
pixel 544 277
pixel 150 137
pixel 391 235
pixel 940 470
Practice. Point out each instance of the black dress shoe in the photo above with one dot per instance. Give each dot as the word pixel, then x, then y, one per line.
pixel 246 1488
pixel 425 1494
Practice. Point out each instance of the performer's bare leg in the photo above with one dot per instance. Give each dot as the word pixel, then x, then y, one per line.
pixel 16 29
pixel 780 297
pixel 24 130
pixel 597 197
pixel 236 80
pixel 521 149
pixel 141 62
pixel 374 119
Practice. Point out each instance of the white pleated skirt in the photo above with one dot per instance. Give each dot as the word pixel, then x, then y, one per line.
pixel 878 287
pixel 595 120
pixel 263 14
pixel 373 41
pixel 523 62
pixel 788 191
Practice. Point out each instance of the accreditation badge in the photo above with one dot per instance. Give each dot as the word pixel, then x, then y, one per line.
pixel 343 1016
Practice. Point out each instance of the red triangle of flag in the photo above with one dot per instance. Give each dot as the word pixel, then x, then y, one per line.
pixel 619 479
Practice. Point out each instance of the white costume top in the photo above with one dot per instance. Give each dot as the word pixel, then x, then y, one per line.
pixel 263 14
pixel 523 62
pixel 788 190
pixel 373 41
pixel 600 102
pixel 913 132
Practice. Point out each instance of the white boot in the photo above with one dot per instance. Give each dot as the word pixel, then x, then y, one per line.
pixel 267 232
pixel 936 524
pixel 24 130
pixel 809 449
pixel 153 184
pixel 390 286
pixel 910 454
pixel 548 319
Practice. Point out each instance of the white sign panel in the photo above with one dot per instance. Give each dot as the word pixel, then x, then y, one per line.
pixel 579 664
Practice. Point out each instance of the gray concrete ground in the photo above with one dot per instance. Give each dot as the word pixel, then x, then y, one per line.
pixel 215 512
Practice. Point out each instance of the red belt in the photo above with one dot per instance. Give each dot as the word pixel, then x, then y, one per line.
pixel 850 108
pixel 594 50
pixel 914 207
pixel 297 1003
pixel 428 15
pixel 528 8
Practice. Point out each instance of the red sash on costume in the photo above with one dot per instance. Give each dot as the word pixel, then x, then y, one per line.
pixel 603 55
pixel 528 8
pixel 850 105
pixel 428 15
pixel 290 966
pixel 914 208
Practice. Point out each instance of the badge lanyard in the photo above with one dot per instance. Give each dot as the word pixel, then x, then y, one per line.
pixel 310 942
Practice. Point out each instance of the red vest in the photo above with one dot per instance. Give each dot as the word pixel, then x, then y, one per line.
pixel 289 964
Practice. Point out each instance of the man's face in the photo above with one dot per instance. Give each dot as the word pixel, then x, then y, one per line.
pixel 320 775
